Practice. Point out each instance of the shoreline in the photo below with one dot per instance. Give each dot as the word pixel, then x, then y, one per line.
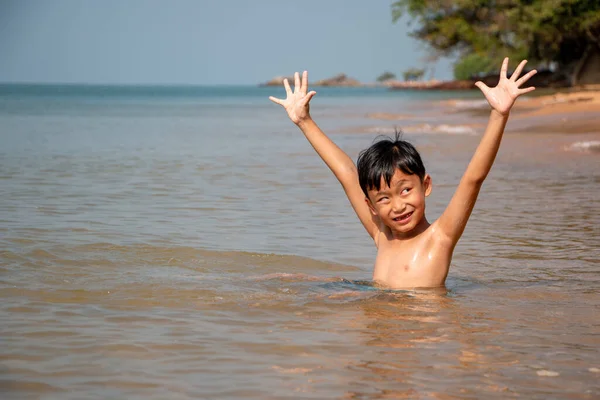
pixel 569 111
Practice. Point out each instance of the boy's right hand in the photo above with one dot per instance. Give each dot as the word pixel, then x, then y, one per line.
pixel 296 103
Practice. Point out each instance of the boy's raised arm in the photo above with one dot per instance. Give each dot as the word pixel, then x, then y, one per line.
pixel 501 98
pixel 296 105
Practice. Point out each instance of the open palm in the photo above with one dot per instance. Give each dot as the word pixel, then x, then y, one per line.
pixel 296 102
pixel 503 96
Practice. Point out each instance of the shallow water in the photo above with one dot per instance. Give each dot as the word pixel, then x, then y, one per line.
pixel 194 246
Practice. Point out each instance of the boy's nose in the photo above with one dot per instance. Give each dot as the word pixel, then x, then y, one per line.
pixel 398 205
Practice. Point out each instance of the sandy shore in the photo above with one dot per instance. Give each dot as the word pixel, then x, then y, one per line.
pixel 572 111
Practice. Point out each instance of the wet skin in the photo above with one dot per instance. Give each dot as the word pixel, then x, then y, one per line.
pixel 410 252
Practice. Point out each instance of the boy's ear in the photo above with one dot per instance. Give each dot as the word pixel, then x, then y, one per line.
pixel 427 185
pixel 370 205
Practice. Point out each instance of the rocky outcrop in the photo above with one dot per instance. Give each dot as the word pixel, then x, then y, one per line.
pixel 431 85
pixel 278 81
pixel 335 81
pixel 543 79
pixel 338 80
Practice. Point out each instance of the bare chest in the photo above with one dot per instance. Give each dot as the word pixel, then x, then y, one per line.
pixel 416 264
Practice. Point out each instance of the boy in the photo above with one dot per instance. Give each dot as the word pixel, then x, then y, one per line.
pixel 388 187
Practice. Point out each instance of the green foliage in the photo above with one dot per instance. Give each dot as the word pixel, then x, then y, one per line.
pixel 386 76
pixel 540 30
pixel 473 65
pixel 413 74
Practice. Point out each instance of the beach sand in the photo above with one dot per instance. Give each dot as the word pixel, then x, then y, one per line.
pixel 574 111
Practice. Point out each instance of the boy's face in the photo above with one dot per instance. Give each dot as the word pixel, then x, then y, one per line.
pixel 400 206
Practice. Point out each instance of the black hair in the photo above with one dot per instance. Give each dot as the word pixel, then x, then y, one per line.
pixel 383 158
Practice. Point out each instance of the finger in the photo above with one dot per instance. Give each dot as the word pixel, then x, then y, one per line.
pixel 526 90
pixel 286 85
pixel 504 68
pixel 518 71
pixel 525 77
pixel 276 100
pixel 309 96
pixel 482 86
pixel 296 82
pixel 304 86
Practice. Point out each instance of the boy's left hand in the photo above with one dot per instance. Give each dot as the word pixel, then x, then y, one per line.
pixel 503 96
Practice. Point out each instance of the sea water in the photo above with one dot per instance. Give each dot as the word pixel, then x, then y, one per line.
pixel 187 242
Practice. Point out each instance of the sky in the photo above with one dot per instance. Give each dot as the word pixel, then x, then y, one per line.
pixel 203 42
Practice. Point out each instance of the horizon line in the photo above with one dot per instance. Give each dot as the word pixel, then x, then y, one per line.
pixel 132 84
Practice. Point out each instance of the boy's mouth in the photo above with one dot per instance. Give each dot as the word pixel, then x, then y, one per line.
pixel 403 218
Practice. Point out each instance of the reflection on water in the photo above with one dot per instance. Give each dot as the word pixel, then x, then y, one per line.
pixel 167 255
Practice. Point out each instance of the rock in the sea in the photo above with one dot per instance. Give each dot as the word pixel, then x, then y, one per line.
pixel 338 80
pixel 541 79
pixel 278 81
pixel 431 85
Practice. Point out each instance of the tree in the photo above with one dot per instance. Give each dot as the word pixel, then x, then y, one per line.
pixel 386 76
pixel 413 74
pixel 473 65
pixel 557 31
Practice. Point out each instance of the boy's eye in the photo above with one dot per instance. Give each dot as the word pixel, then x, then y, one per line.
pixel 382 199
pixel 405 190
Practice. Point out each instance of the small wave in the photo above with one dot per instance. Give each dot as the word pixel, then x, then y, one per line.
pixel 388 116
pixel 429 129
pixel 469 104
pixel 93 261
pixel 591 146
pixel 453 129
pixel 287 277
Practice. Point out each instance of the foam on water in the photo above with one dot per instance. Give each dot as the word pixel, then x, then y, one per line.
pixel 426 129
pixel 591 146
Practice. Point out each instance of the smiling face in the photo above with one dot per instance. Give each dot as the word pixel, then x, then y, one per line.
pixel 401 205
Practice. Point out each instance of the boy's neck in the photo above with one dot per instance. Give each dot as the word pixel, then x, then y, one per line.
pixel 420 228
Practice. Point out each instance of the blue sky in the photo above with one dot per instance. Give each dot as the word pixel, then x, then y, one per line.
pixel 202 42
